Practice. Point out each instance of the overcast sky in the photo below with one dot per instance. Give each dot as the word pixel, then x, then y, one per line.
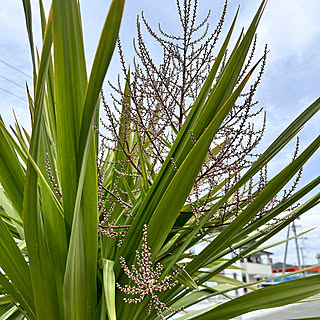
pixel 291 81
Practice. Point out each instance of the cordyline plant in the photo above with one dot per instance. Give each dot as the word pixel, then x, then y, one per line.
pixel 101 230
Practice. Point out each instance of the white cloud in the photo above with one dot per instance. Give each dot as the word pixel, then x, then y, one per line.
pixel 10 9
pixel 291 25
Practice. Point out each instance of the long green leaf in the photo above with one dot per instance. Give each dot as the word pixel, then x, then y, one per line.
pixel 169 206
pixel 43 179
pixel 70 83
pixel 256 284
pixel 184 277
pixel 272 150
pixel 11 172
pixel 15 267
pixel 70 86
pixel 14 143
pixel 224 239
pixel 252 242
pixel 44 273
pixel 188 300
pixel 28 18
pixel 234 282
pixel 99 68
pixel 6 299
pixel 79 303
pixel 280 242
pixel 194 313
pixel 251 245
pixel 281 207
pixel 12 213
pixel 270 297
pixel 109 286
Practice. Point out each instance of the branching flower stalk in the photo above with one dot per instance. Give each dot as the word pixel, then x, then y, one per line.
pixel 146 278
pixel 145 118
pixel 156 101
pixel 159 98
pixel 51 178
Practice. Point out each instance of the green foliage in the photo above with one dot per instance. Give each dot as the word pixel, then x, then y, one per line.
pixel 54 262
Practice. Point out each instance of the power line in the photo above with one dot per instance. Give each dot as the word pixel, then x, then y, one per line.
pixel 9 65
pixel 13 94
pixel 17 84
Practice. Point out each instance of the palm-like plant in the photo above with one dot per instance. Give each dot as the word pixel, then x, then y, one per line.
pixel 55 264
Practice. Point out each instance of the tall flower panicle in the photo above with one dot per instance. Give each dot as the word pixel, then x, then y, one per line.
pixel 146 277
pixel 51 177
pixel 157 99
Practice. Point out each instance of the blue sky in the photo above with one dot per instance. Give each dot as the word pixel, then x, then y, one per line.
pixel 290 83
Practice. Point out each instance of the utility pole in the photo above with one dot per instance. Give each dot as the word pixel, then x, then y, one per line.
pixel 297 244
pixel 286 249
pixel 302 256
pixel 285 254
pixel 302 247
